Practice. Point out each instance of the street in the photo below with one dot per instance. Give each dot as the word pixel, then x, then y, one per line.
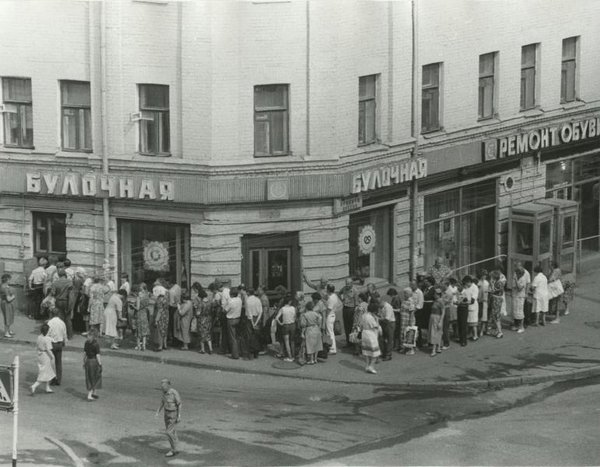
pixel 235 419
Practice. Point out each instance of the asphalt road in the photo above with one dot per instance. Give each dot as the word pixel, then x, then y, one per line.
pixel 235 419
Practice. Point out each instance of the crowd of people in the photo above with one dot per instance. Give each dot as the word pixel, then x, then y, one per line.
pixel 433 310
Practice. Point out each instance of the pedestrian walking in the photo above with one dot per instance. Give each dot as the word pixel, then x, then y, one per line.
pixel 45 360
pixel 7 299
pixel 92 365
pixel 171 404
pixel 58 336
pixel 370 331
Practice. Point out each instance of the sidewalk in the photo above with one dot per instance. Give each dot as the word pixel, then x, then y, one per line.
pixel 554 352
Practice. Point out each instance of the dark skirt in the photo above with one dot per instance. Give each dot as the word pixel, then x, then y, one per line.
pixel 93 374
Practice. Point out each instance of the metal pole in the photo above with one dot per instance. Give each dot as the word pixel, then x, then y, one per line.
pixel 15 408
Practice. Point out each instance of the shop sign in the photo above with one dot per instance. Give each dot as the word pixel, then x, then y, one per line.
pixel 541 138
pixel 366 239
pixel 372 179
pixel 346 205
pixel 92 185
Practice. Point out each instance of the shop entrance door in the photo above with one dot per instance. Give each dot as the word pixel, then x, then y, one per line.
pixel 271 261
pixel 589 207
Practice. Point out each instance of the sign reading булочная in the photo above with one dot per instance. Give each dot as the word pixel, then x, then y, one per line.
pixel 391 174
pixel 101 186
pixel 541 138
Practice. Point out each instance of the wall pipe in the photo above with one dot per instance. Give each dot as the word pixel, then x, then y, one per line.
pixel 104 139
pixel 415 131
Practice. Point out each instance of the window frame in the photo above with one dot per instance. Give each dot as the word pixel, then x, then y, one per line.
pixel 21 106
pixel 534 80
pixel 563 80
pixel 80 120
pixel 159 115
pixel 266 114
pixel 363 106
pixel 48 218
pixel 435 90
pixel 483 77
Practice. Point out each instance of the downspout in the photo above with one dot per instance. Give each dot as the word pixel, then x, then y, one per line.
pixel 307 78
pixel 104 140
pixel 414 132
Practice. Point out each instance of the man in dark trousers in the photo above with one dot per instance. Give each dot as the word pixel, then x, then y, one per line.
pixel 62 293
pixel 57 333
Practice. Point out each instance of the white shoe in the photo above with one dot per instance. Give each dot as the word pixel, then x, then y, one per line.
pixel 555 321
pixel 332 352
pixel 520 331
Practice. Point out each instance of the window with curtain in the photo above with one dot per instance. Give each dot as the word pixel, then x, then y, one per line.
pixel 17 112
pixel 76 116
pixel 154 124
pixel 568 84
pixel 367 109
pixel 430 99
pixel 487 83
pixel 528 76
pixel 271 120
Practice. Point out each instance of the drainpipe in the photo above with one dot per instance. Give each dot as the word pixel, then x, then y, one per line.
pixel 104 139
pixel 307 78
pixel 415 127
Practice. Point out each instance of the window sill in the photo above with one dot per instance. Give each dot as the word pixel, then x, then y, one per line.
pixel 270 156
pixel 489 120
pixel 572 104
pixel 150 154
pixel 433 133
pixel 20 149
pixel 77 152
pixel 532 113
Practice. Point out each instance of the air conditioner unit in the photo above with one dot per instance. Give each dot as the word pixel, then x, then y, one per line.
pixel 508 182
pixel 142 115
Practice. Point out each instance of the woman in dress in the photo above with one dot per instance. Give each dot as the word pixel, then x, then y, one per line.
pixel 496 303
pixel 45 360
pixel 96 304
pixel 286 318
pixel 113 310
pixel 370 330
pixel 203 311
pixel 311 323
pixel 6 304
pixel 407 318
pixel 436 320
pixel 519 296
pixel 185 312
pixel 92 365
pixel 161 317
pixel 555 292
pixel 142 316
pixel 483 299
pixel 539 287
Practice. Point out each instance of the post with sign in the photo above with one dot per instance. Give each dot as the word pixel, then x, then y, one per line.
pixel 9 398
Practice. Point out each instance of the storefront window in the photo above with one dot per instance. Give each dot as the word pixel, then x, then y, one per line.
pixel 460 227
pixel 153 250
pixel 523 238
pixel 545 237
pixel 371 244
pixel 559 175
pixel 49 234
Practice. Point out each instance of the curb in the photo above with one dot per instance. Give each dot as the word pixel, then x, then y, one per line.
pixel 480 384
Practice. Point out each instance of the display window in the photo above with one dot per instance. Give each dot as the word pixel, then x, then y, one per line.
pixel 460 227
pixel 371 246
pixel 154 250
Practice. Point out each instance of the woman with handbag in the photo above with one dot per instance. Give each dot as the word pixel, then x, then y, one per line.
pixel 370 332
pixel 92 365
pixel 7 299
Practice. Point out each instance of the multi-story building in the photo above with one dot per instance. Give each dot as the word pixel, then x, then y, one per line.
pixel 256 140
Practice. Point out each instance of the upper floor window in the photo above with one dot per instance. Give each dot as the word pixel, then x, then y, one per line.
pixel 76 116
pixel 430 99
pixel 49 234
pixel 367 109
pixel 528 76
pixel 18 113
pixel 154 121
pixel 568 81
pixel 487 85
pixel 271 120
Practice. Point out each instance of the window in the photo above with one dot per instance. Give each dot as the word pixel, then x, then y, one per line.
pixel 528 76
pixel 568 85
pixel 487 83
pixel 271 120
pixel 76 116
pixel 430 116
pixel 367 109
pixel 154 122
pixel 18 113
pixel 370 259
pixel 49 234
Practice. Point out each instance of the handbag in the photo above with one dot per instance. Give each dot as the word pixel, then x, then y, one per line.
pixel 355 337
pixel 194 324
pixel 337 327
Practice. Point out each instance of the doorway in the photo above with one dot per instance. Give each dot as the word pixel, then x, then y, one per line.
pixel 272 261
